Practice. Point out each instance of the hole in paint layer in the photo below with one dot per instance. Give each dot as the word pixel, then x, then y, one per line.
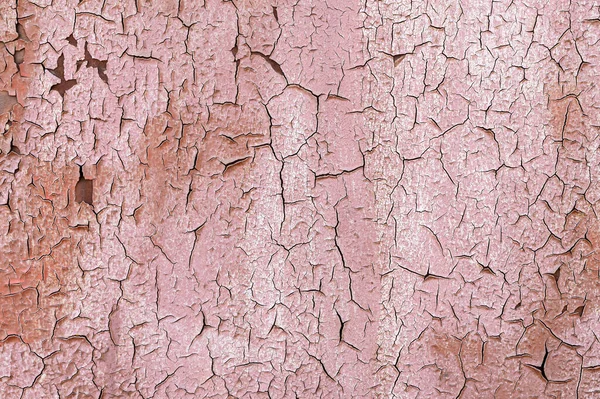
pixel 6 101
pixel 84 189
pixel 19 57
pixel 13 147
pixel 63 87
pixel 59 72
pixel 21 32
pixel 94 63
pixel 398 59
pixel 72 41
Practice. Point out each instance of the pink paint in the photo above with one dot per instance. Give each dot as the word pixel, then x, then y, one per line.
pixel 294 199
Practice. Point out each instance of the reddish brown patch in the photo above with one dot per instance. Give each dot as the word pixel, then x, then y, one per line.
pixel 42 260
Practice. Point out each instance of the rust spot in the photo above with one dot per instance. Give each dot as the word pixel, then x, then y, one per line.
pixel 443 346
pixel 577 266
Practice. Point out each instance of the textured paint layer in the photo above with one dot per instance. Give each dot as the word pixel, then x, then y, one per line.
pixel 295 199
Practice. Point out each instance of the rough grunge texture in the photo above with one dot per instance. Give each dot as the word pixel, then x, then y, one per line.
pixel 299 199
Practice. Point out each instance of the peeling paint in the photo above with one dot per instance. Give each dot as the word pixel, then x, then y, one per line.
pixel 302 199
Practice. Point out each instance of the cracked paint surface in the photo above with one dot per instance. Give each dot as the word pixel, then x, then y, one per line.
pixel 295 199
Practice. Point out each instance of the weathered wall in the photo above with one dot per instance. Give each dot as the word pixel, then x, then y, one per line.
pixel 280 199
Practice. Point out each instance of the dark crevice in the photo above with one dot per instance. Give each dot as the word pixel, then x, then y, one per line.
pixel 274 64
pixel 229 165
pixel 542 367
